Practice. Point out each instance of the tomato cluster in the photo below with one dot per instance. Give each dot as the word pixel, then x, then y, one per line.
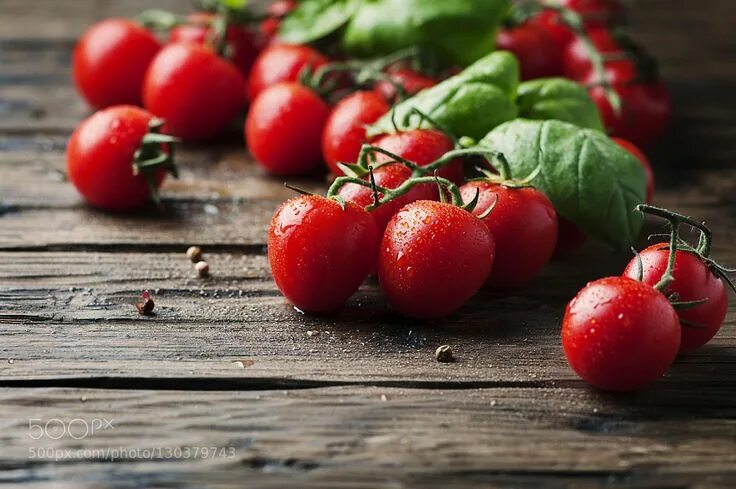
pixel 401 206
pixel 623 333
pixel 570 39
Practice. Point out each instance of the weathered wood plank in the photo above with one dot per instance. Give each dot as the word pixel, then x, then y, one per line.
pixel 75 311
pixel 378 437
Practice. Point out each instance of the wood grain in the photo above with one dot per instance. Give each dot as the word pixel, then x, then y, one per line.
pixel 381 437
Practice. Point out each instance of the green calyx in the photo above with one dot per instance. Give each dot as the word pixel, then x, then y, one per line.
pixel 155 153
pixel 676 243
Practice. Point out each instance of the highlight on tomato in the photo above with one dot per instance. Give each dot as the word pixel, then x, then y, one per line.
pixel 117 159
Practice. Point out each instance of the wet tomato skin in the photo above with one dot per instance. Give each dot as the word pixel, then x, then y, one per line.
pixel 620 334
pixel 388 176
pixel 693 282
pixel 434 257
pixel 345 130
pixel 110 61
pixel 284 129
pixel 194 90
pixel 524 227
pixel 316 250
pixel 100 156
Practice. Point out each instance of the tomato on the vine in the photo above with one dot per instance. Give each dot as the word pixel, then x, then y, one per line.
pixel 551 23
pixel 422 147
pixel 576 57
pixel 620 334
pixel 388 176
pixel 194 90
pixel 281 63
pixel 524 227
pixel 433 258
pixel 645 104
pixel 317 251
pixel 411 81
pixel 242 43
pixel 693 281
pixel 110 61
pixel 284 127
pixel 539 55
pixel 639 154
pixel 344 132
pixel 101 154
pixel 277 10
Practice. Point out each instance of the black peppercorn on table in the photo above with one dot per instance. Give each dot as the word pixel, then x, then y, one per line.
pixel 227 385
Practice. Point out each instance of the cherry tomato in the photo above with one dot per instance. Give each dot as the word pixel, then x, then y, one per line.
pixel 645 105
pixel 110 62
pixel 620 334
pixel 551 23
pixel 317 251
pixel 281 63
pixel 422 147
pixel 524 226
pixel 576 58
pixel 539 55
pixel 388 176
pixel 597 13
pixel 284 129
pixel 100 154
pixel 194 90
pixel 434 257
pixel 344 132
pixel 569 237
pixel 412 82
pixel 693 282
pixel 639 154
pixel 241 41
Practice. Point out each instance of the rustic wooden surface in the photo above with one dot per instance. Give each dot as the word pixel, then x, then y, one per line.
pixel 352 400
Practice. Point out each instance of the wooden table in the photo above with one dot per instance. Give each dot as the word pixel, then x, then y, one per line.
pixel 352 400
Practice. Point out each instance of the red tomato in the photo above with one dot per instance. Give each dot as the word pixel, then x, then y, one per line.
pixel 620 334
pixel 100 154
pixel 539 55
pixel 110 61
pixel 434 257
pixel 194 90
pixel 281 63
pixel 422 147
pixel 645 105
pixel 284 129
pixel 576 58
pixel 597 13
pixel 388 176
pixel 241 41
pixel 524 227
pixel 412 81
pixel 317 251
pixel 693 282
pixel 344 132
pixel 276 12
pixel 569 237
pixel 639 154
pixel 550 22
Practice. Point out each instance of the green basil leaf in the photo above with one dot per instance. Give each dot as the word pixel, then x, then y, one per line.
pixel 315 19
pixel 558 98
pixel 468 104
pixel 458 31
pixel 591 180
